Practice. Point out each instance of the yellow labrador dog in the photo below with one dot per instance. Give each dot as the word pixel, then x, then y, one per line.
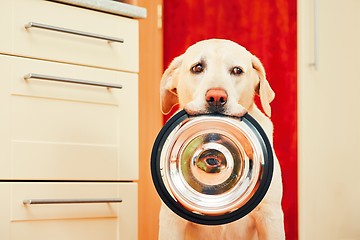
pixel 221 76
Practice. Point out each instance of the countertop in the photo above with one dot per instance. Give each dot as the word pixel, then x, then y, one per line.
pixel 109 6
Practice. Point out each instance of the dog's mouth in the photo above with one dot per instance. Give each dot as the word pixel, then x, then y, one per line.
pixel 238 111
pixel 216 109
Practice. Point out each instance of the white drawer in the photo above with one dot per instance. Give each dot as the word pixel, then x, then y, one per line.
pixel 106 219
pixel 67 131
pixel 67 47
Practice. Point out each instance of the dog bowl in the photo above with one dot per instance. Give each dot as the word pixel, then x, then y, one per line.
pixel 211 169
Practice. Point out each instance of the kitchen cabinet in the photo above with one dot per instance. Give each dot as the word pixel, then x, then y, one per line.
pixel 104 219
pixel 118 49
pixel 69 122
pixel 64 127
pixel 329 116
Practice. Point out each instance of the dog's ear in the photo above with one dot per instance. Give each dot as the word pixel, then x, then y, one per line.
pixel 263 88
pixel 168 84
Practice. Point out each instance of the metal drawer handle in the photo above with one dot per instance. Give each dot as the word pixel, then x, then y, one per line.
pixel 76 32
pixel 71 201
pixel 70 80
pixel 315 62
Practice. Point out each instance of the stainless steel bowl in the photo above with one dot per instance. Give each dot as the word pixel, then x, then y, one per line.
pixel 211 169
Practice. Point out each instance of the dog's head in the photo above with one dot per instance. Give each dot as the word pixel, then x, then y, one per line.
pixel 215 76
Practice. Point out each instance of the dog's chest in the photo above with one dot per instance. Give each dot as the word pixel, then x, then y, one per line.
pixel 241 229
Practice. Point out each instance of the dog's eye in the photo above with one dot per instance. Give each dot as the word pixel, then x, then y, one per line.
pixel 198 68
pixel 236 71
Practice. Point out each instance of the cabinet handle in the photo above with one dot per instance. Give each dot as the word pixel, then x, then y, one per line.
pixel 70 80
pixel 315 62
pixel 71 201
pixel 70 31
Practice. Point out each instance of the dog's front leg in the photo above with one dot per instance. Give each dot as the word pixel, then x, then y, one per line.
pixel 171 226
pixel 270 223
pixel 269 217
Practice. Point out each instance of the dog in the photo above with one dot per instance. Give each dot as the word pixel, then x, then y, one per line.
pixel 221 76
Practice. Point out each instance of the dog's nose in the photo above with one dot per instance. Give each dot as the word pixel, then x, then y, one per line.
pixel 216 97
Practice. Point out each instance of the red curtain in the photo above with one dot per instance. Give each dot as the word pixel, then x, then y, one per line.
pixel 267 28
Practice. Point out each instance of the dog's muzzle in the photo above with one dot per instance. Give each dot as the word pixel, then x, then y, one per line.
pixel 211 169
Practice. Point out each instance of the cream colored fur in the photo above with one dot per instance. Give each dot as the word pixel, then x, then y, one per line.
pixel 179 85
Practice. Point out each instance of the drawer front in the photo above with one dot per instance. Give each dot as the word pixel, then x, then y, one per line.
pixel 69 46
pixel 68 131
pixel 105 219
